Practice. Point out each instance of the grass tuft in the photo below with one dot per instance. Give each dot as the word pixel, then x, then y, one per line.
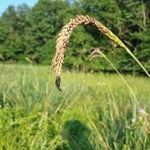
pixel 95 111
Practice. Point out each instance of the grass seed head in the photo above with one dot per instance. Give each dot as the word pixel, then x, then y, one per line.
pixel 63 40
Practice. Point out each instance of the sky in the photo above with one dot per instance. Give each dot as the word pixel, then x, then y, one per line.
pixel 5 3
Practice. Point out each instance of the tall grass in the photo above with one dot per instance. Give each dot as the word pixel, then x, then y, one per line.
pixel 95 111
pixel 63 40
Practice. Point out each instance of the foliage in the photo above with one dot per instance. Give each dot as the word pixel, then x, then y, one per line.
pixel 93 112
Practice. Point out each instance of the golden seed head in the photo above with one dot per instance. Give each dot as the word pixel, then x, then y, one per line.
pixel 63 40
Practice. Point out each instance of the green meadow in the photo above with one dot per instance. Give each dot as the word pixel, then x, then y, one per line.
pixel 93 111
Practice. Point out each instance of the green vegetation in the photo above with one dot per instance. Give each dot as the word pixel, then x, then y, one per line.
pixel 28 34
pixel 94 111
pixel 98 111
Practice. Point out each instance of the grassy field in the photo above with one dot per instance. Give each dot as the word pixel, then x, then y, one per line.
pixel 94 111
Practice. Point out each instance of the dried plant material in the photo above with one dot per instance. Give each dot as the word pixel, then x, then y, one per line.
pixel 57 82
pixel 95 53
pixel 63 40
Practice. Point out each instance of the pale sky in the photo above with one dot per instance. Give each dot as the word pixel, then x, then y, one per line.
pixel 5 3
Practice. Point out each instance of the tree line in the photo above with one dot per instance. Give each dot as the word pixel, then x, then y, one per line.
pixel 27 35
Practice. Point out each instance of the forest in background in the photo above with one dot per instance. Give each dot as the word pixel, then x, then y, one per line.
pixel 28 35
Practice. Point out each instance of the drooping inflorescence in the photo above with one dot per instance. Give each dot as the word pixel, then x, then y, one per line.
pixel 63 40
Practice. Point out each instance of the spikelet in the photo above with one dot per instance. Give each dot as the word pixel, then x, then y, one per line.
pixel 63 40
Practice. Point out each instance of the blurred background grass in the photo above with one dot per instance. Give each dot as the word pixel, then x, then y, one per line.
pixel 94 111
